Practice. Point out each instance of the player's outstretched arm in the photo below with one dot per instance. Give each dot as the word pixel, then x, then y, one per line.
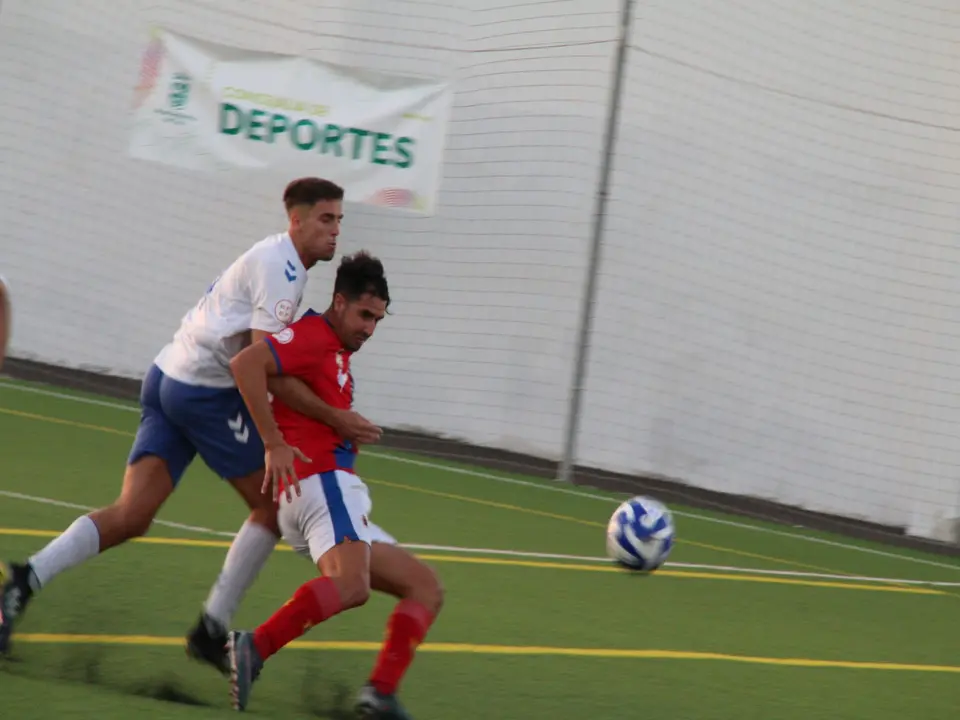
pixel 250 368
pixel 348 424
pixel 4 321
pixel 297 395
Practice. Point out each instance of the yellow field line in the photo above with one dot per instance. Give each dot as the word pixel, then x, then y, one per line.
pixel 514 650
pixel 473 500
pixel 61 421
pixel 593 523
pixel 581 567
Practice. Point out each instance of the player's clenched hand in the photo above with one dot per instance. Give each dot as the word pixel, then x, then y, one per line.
pixel 354 427
pixel 280 473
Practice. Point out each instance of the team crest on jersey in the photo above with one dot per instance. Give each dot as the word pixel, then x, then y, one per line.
pixel 343 373
pixel 284 336
pixel 284 311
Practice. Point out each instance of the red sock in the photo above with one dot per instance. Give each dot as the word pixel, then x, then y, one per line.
pixel 406 629
pixel 311 604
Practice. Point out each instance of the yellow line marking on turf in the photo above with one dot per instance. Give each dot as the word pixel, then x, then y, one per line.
pixel 545 565
pixel 488 503
pixel 593 523
pixel 181 542
pixel 465 498
pixel 515 650
pixel 700 575
pixel 61 421
pixel 18 532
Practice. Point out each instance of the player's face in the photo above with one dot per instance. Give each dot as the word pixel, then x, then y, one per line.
pixel 318 227
pixel 358 319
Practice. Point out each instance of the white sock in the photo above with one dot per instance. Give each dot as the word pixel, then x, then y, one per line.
pixel 77 544
pixel 247 555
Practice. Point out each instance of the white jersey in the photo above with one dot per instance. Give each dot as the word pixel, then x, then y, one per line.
pixel 261 290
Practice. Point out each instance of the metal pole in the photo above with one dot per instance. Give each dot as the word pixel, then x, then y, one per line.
pixel 565 473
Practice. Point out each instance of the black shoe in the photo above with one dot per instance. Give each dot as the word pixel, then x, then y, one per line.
pixel 207 642
pixel 372 704
pixel 15 593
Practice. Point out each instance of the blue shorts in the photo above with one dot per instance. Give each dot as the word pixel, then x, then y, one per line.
pixel 177 421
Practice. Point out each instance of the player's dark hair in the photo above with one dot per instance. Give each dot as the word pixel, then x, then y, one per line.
pixel 361 274
pixel 310 191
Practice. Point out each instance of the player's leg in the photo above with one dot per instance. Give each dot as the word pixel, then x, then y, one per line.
pixel 158 459
pixel 395 571
pixel 229 444
pixel 146 485
pixel 329 523
pixel 248 553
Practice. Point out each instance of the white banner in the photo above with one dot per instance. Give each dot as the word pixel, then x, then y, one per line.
pixel 209 107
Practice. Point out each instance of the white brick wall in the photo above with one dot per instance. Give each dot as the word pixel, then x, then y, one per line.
pixel 777 312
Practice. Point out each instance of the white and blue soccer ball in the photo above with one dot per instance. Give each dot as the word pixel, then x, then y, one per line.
pixel 640 534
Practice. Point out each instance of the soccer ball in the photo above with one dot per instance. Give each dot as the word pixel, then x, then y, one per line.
pixel 640 534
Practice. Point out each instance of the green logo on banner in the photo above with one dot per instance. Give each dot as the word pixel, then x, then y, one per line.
pixel 305 134
pixel 179 91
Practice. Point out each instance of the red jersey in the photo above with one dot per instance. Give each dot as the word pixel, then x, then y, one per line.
pixel 310 350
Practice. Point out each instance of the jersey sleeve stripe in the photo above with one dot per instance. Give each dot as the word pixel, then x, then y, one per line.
pixel 276 356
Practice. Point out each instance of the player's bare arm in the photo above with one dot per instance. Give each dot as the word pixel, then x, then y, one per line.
pixel 295 393
pixel 349 424
pixel 251 368
pixel 4 322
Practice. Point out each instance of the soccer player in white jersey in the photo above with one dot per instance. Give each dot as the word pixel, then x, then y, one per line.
pixel 190 405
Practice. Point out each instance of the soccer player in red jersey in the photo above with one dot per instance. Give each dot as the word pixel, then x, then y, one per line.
pixel 327 517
